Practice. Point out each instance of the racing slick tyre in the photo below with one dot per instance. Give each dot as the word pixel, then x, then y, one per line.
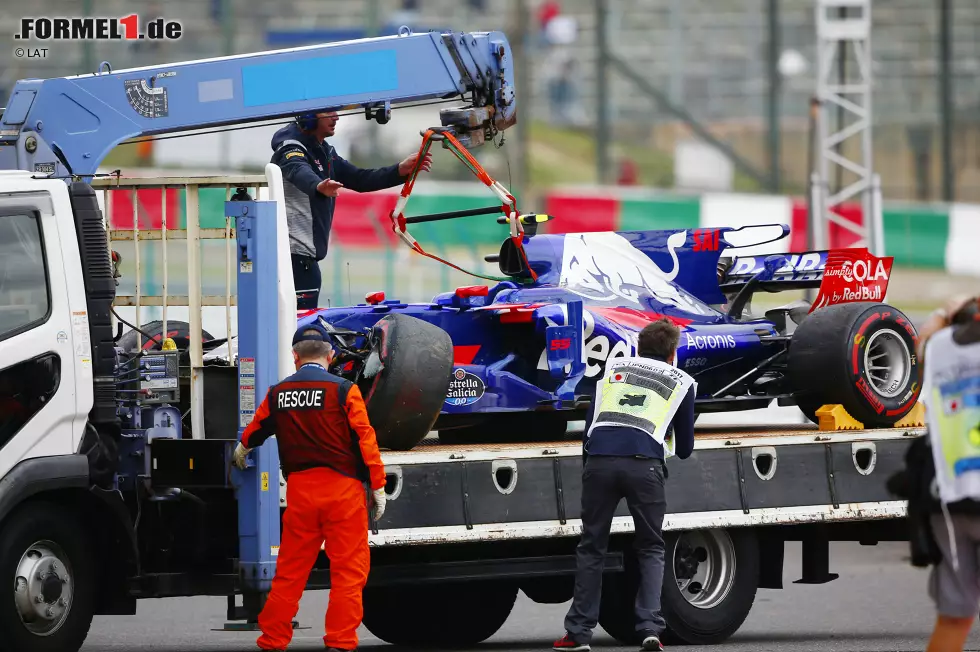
pixel 180 331
pixel 47 564
pixel 456 615
pixel 858 355
pixel 709 585
pixel 406 379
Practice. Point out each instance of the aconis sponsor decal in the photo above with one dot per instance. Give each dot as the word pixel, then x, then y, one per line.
pixel 465 388
pixel 702 342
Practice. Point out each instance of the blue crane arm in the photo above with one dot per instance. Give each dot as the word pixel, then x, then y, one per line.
pixel 67 125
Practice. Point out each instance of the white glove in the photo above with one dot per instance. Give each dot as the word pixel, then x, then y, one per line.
pixel 379 498
pixel 239 456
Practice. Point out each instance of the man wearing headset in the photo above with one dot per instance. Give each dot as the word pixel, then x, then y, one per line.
pixel 313 174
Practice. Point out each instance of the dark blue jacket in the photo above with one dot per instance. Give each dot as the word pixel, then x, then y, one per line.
pixel 630 442
pixel 305 163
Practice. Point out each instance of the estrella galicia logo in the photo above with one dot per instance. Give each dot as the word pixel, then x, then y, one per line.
pixel 464 389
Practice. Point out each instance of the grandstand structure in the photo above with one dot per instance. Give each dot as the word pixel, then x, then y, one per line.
pixel 709 57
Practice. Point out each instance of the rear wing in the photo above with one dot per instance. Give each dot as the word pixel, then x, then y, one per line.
pixel 841 275
pixel 797 272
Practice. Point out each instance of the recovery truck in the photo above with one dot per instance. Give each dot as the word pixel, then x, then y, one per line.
pixel 116 482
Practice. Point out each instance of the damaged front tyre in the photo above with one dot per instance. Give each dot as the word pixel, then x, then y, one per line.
pixel 407 376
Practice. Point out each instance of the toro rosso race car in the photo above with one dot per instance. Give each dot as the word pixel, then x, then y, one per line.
pixel 518 358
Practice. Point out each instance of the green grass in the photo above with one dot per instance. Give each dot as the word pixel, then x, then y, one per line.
pixel 566 155
pixel 556 156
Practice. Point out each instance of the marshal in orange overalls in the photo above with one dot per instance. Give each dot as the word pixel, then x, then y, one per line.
pixel 327 450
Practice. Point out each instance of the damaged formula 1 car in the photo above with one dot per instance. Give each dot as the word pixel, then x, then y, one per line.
pixel 518 359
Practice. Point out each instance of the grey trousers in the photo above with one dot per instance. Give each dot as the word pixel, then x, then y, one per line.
pixel 605 481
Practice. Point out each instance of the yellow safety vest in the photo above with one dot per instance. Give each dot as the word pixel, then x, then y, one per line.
pixel 951 394
pixel 641 393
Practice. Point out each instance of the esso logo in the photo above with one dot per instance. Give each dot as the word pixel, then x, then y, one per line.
pixel 861 271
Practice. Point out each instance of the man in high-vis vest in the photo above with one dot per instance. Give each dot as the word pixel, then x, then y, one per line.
pixel 951 394
pixel 642 414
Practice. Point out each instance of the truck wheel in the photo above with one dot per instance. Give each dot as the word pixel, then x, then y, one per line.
pixel 180 331
pixel 859 355
pixel 438 615
pixel 710 585
pixel 405 397
pixel 710 580
pixel 47 558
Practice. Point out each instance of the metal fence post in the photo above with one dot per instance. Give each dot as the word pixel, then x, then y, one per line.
pixel 775 84
pixel 946 97
pixel 602 92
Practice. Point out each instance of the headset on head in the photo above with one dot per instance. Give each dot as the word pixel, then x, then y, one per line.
pixel 307 121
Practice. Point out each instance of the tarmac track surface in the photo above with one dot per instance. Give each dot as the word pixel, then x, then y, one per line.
pixel 879 603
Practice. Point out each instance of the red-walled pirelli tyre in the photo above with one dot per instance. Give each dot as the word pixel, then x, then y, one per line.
pixel 860 355
pixel 404 397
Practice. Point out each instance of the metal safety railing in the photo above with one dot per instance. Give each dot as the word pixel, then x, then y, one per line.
pixel 193 234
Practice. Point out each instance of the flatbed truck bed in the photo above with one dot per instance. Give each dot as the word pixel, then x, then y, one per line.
pixel 737 476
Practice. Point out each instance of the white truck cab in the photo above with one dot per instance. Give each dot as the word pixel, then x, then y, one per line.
pixel 46 382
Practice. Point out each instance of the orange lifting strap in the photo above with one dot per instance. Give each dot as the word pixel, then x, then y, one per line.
pixel 509 205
